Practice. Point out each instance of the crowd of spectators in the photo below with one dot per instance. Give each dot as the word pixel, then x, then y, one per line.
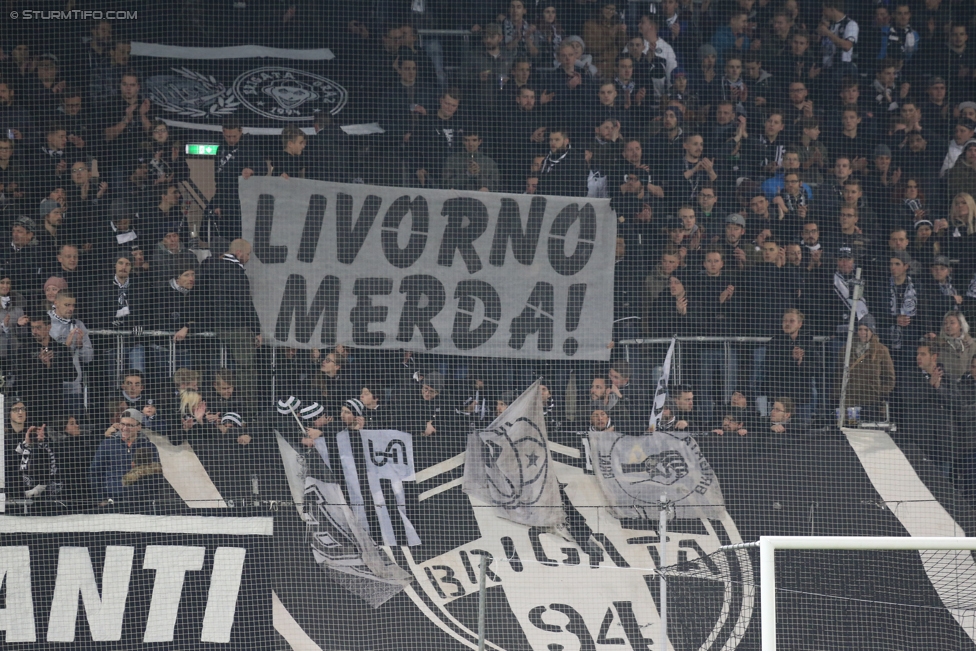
pixel 756 154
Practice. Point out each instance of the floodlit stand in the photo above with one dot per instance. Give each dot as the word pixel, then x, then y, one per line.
pixel 767 562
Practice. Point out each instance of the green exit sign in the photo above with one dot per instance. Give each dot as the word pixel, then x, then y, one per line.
pixel 198 149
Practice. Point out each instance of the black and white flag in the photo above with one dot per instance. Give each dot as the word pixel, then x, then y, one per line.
pixel 661 393
pixel 339 542
pixel 509 464
pixel 635 471
pixel 265 88
pixel 385 457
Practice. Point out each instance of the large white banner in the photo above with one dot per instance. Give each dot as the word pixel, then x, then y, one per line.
pixel 429 270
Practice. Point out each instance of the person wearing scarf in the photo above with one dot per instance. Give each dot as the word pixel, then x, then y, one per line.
pixel 179 309
pixel 564 170
pixel 938 295
pixel 958 347
pixel 899 319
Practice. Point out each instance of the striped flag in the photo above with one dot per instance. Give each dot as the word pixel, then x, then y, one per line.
pixel 661 394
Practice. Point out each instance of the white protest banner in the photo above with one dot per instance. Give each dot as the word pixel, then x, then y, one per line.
pixel 430 270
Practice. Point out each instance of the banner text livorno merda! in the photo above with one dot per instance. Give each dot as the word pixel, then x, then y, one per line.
pixel 457 273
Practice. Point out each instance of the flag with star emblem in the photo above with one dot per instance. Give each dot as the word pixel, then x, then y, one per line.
pixel 509 465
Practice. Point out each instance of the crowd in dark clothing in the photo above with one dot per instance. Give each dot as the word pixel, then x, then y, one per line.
pixel 755 154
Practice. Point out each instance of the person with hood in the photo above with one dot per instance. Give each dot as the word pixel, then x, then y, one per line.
pixel 872 373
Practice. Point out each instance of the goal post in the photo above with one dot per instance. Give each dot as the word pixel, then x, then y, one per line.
pixel 768 545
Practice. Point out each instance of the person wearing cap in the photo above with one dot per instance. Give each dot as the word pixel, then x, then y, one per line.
pixel 351 415
pixel 828 296
pixel 962 134
pixel 962 176
pixel 939 294
pixel 170 257
pixel 23 259
pixel 735 248
pixel 114 459
pixel 872 374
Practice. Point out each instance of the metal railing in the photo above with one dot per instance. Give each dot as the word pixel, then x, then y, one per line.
pixel 120 336
pixel 826 369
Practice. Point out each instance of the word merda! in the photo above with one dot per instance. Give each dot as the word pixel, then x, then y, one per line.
pixel 457 271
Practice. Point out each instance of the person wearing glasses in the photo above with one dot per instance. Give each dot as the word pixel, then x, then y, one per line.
pixel 116 457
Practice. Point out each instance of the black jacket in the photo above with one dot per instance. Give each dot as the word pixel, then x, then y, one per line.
pixel 106 303
pixel 173 310
pixel 227 292
pixel 785 377
pixel 564 174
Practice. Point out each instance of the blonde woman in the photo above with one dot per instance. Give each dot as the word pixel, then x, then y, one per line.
pixel 958 348
pixel 960 243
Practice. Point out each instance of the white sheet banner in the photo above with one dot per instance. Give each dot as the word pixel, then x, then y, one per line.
pixel 431 271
